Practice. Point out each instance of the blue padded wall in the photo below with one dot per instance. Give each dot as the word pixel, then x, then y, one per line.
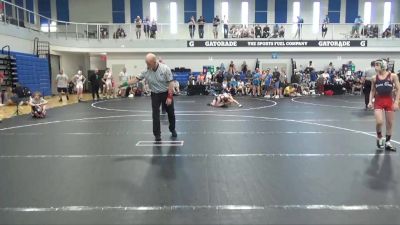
pixel 33 72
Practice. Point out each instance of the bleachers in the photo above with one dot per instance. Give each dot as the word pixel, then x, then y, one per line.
pixel 33 72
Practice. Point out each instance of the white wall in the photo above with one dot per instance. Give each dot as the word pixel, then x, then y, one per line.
pixel 17 44
pixel 135 62
pixel 90 11
pixel 96 62
pixel 235 10
pixel 72 62
pixel 163 12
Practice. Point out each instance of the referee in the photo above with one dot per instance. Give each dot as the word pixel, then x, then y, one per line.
pixel 160 78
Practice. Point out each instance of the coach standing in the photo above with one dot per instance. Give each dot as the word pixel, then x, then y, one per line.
pixel 160 80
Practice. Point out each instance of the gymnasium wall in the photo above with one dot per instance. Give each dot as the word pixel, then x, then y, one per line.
pixel 135 62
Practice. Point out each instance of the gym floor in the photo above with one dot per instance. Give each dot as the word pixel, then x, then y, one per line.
pixel 287 161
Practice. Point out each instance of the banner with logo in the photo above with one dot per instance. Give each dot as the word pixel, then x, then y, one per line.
pixel 276 43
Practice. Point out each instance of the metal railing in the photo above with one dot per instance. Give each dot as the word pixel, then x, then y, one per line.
pixel 103 31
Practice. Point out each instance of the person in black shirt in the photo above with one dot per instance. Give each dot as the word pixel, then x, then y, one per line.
pixel 258 31
pixel 216 23
pixel 266 32
pixel 201 23
pixel 95 81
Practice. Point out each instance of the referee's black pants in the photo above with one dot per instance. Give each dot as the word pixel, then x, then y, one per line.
pixel 158 99
pixel 367 91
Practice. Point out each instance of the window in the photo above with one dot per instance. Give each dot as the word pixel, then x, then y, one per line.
pixel 173 16
pixel 245 13
pixel 153 11
pixel 316 15
pixel 387 10
pixel 224 10
pixel 296 13
pixel 367 12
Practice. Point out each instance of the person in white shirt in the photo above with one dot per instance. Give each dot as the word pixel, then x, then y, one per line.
pixel 62 84
pixel 38 105
pixel 123 77
pixel 79 80
pixel 107 79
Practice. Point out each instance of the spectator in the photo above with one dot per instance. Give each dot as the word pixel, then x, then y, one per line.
pixel 375 31
pixel 267 83
pixel 192 26
pixel 258 31
pixel 62 84
pixel 325 26
pixel 222 67
pixel 153 29
pixel 103 32
pixel 276 81
pixel 138 23
pixel 120 33
pixel 290 90
pixel 282 32
pixel 244 67
pixel 232 68
pixel 387 33
pixel 123 77
pixel 226 27
pixel 266 31
pixel 300 22
pixel 38 105
pixel 397 31
pixel 216 22
pixel 356 27
pixel 257 83
pixel 146 27
pixel 201 21
pixel 275 31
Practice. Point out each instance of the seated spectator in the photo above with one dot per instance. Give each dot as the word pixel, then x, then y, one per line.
pixel 120 33
pixel 387 33
pixel 275 31
pixel 241 89
pixel 201 79
pixel 191 80
pixel 38 105
pixel 266 32
pixel 176 88
pixel 282 32
pixel 153 29
pixel 103 32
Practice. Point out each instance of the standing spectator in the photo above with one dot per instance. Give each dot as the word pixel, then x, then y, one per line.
pixel 192 26
pixel 325 26
pixel 201 21
pixel 275 31
pixel 153 29
pixel 62 84
pixel 366 81
pixel 276 81
pixel 397 31
pixel 95 81
pixel 146 27
pixel 232 68
pixel 123 77
pixel 256 83
pixel 226 27
pixel 138 23
pixel 267 84
pixel 356 27
pixel 244 67
pixel 216 22
pixel 300 22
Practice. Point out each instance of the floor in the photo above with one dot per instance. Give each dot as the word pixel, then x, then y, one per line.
pixel 309 160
